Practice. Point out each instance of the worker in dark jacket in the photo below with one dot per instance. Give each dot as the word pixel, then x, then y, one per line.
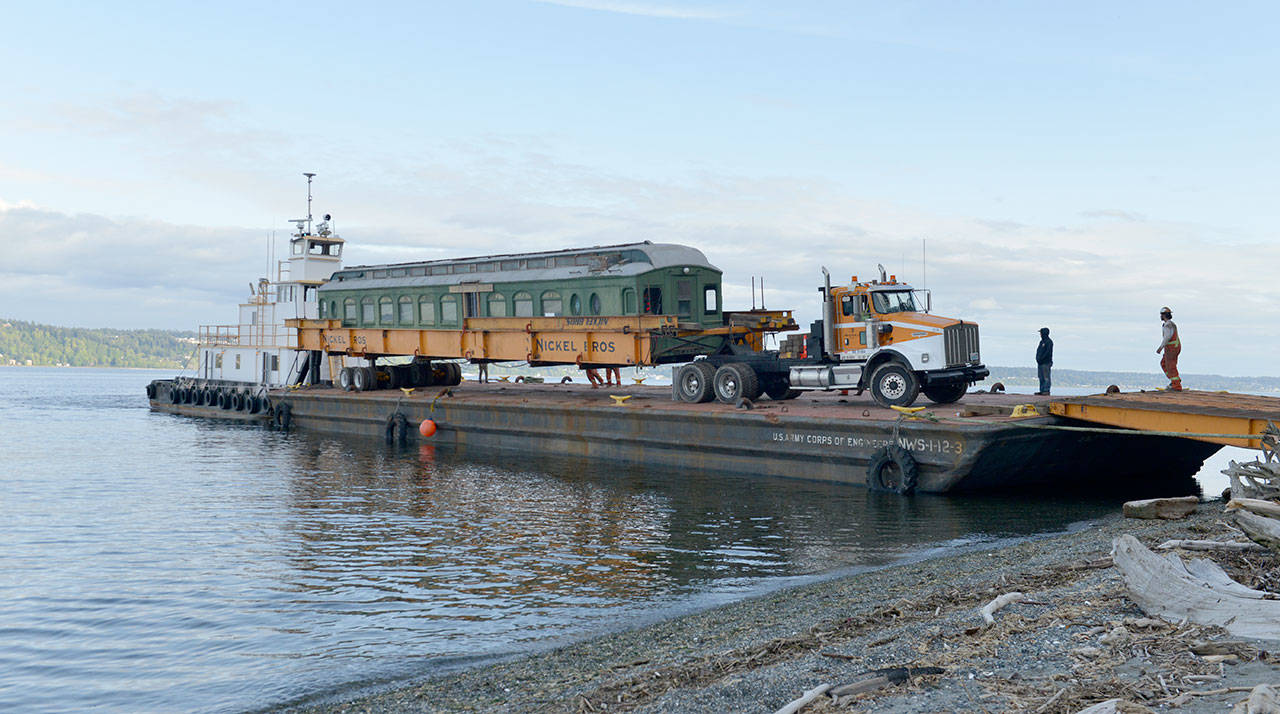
pixel 1044 360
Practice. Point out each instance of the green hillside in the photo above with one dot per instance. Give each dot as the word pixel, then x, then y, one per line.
pixel 45 345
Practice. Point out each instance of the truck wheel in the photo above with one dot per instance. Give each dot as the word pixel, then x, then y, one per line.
pixel 894 385
pixel 945 393
pixel 892 468
pixel 695 382
pixel 363 379
pixel 780 389
pixel 736 381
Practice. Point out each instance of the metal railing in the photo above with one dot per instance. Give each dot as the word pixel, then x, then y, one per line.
pixel 248 336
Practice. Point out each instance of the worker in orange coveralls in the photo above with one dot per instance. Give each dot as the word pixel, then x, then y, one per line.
pixel 1170 345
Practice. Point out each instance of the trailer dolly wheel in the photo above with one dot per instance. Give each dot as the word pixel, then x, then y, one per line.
pixel 892 468
pixel 734 381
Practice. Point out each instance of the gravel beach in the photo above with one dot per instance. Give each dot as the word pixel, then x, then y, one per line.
pixel 1077 641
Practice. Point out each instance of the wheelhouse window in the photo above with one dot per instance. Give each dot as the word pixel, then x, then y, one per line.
pixel 349 316
pixel 368 313
pixel 427 310
pixel 449 310
pixel 386 310
pixel 593 303
pixel 523 304
pixel 887 302
pixel 497 305
pixel 710 300
pixel 552 305
pixel 406 310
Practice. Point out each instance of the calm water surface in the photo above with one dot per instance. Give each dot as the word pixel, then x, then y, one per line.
pixel 160 563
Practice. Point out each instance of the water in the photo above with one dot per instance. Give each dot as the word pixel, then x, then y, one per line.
pixel 155 563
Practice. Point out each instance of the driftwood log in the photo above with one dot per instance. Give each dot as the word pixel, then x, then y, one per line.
pixel 1198 591
pixel 989 610
pixel 1264 699
pixel 1254 479
pixel 1115 706
pixel 1169 509
pixel 1229 545
pixel 1260 506
pixel 1260 529
pixel 804 700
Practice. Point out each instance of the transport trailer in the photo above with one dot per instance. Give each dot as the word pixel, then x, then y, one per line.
pixel 598 341
pixel 975 445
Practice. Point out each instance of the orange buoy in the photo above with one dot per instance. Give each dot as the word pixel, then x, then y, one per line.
pixel 427 428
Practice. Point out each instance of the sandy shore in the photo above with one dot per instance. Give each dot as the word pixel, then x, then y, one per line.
pixel 1059 653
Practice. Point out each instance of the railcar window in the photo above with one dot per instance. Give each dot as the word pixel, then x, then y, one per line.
pixel 510 265
pixel 406 310
pixel 628 302
pixel 488 267
pixel 416 272
pixel 684 297
pixel 427 310
pixel 497 305
pixel 449 310
pixel 368 315
pixel 552 305
pixel 465 268
pixel 594 304
pixel 439 270
pixel 524 304
pixel 397 272
pixel 333 310
pixel 379 273
pixel 653 300
pixel 322 306
pixel 710 300
pixel 386 310
pixel 349 312
pixel 575 304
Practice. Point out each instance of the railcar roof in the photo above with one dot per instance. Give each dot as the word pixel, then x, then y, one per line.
pixel 598 261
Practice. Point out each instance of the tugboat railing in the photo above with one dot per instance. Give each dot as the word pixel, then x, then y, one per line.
pixel 248 336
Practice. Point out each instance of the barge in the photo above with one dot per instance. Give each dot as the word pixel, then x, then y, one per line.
pixel 976 444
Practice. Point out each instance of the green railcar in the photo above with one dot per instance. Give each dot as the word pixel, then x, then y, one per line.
pixel 618 280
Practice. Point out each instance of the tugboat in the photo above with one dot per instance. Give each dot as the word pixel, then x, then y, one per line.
pixel 237 364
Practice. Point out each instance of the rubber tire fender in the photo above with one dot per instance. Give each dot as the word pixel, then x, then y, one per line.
pixel 173 394
pixel 224 399
pixel 694 382
pixel 892 469
pixel 397 429
pixel 284 416
pixel 911 385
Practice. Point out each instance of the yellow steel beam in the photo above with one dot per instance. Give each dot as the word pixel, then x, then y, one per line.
pixel 1168 420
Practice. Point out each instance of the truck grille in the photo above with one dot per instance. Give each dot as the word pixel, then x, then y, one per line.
pixel 962 344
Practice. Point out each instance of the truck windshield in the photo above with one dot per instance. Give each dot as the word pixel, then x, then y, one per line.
pixel 899 301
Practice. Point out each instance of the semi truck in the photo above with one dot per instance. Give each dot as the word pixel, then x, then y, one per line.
pixel 878 335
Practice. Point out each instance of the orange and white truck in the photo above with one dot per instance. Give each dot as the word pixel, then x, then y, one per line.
pixel 878 335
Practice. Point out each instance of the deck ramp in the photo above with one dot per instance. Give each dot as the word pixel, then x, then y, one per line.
pixel 1205 416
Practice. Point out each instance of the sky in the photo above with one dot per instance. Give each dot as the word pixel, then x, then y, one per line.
pixel 1071 165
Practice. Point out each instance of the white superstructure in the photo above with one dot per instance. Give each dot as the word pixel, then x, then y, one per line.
pixel 259 348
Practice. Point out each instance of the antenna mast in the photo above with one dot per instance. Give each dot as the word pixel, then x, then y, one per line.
pixel 309 177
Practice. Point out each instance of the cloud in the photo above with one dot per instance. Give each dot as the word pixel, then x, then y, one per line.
pixel 643 9
pixel 1115 213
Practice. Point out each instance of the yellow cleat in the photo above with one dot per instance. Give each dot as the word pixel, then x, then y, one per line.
pixel 619 400
pixel 1025 410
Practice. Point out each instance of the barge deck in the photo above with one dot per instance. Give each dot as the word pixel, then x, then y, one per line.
pixel 975 444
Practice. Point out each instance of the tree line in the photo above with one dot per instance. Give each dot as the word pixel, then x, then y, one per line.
pixel 47 345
